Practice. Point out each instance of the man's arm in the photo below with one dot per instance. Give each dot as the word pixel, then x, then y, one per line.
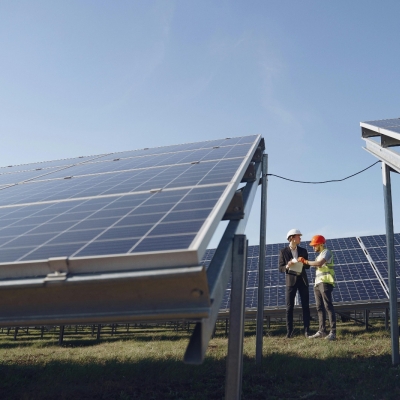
pixel 306 266
pixel 308 263
pixel 282 262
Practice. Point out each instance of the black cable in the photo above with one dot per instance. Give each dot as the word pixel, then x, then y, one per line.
pixel 333 180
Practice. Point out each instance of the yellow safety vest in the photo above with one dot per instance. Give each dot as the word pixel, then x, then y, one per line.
pixel 326 273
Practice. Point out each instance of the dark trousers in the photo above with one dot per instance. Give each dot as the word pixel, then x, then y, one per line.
pixel 290 297
pixel 323 299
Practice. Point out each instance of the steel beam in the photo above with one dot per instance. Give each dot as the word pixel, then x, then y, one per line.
pixel 394 324
pixel 218 274
pixel 160 294
pixel 261 261
pixel 389 157
pixel 234 366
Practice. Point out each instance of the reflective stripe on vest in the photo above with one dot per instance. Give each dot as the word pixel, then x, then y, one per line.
pixel 326 273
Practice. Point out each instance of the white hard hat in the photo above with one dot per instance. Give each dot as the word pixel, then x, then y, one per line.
pixel 293 232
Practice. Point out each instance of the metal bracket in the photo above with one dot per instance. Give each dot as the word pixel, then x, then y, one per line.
pixel 56 277
pixel 235 210
pixel 258 154
pixel 366 133
pixel 250 174
pixel 59 269
pixel 387 141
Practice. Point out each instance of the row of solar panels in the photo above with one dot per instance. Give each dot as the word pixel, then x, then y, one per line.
pixel 357 279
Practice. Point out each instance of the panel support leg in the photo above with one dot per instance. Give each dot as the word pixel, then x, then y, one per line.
pixel 234 367
pixel 386 318
pixel 261 261
pixel 366 318
pixel 394 324
pixel 61 335
pixel 98 332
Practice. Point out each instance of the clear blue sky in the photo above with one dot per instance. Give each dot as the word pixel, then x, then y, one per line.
pixel 89 77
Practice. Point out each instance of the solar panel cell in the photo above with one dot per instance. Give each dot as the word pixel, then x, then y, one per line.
pixel 164 243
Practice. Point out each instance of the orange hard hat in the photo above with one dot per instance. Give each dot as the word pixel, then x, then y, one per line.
pixel 317 239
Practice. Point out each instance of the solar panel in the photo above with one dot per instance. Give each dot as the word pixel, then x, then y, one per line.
pixel 158 208
pixel 376 247
pixel 42 166
pixel 389 124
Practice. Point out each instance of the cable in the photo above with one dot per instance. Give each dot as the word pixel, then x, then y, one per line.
pixel 333 180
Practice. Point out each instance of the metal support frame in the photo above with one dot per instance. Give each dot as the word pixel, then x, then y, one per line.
pixel 390 162
pixel 366 318
pixel 394 324
pixel 234 366
pixel 218 274
pixel 261 261
pixel 61 335
pixel 387 319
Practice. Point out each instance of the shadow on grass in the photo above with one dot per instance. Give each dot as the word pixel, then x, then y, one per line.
pixel 76 340
pixel 280 376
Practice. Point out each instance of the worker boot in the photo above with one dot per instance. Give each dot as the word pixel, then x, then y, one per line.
pixel 318 335
pixel 306 332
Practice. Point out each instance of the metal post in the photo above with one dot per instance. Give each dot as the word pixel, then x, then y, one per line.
pixel 386 318
pixel 234 367
pixel 61 335
pixel 366 318
pixel 261 261
pixel 98 332
pixel 394 324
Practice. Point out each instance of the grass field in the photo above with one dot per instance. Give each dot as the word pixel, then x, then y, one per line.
pixel 146 363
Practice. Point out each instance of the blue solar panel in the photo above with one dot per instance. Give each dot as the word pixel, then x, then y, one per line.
pixel 109 225
pixel 157 209
pixel 382 267
pixel 362 290
pixel 140 163
pixel 42 166
pixel 123 182
pixel 389 124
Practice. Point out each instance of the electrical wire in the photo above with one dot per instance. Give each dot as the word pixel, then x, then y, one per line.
pixel 333 180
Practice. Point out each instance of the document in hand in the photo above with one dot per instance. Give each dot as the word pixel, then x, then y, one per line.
pixel 296 268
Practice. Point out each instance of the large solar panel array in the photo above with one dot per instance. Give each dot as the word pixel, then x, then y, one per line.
pixel 357 279
pixel 142 202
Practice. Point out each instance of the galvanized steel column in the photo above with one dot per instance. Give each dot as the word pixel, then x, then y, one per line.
pixel 261 261
pixel 394 325
pixel 234 366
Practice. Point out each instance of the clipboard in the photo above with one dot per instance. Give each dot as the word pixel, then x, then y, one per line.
pixel 296 268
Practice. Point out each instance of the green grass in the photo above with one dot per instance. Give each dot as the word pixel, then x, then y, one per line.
pixel 146 363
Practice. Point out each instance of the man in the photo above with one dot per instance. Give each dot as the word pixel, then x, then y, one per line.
pixel 296 279
pixel 323 287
